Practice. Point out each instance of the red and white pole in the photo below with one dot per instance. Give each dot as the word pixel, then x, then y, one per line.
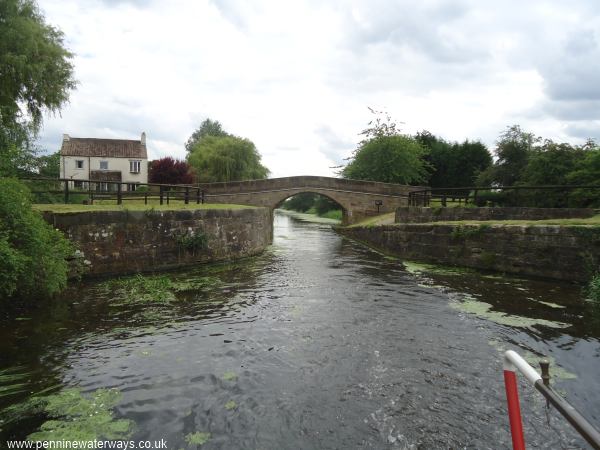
pixel 512 362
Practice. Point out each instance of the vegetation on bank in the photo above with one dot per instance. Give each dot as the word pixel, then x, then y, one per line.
pixel 33 255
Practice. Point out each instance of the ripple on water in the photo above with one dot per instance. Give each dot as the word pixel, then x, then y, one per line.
pixel 317 343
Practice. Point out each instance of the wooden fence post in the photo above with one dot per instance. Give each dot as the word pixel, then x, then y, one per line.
pixel 66 191
pixel 119 194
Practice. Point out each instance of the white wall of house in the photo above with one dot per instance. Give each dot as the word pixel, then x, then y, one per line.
pixel 69 169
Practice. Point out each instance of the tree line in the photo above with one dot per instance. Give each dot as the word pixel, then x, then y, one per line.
pixel 521 159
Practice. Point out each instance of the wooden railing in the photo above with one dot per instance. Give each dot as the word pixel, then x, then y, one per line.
pixel 67 190
pixel 535 196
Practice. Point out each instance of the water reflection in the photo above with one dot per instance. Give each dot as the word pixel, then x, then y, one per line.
pixel 319 343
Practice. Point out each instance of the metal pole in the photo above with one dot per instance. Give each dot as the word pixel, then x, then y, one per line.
pixel 197 195
pixel 119 194
pixel 161 193
pixel 586 429
pixel 186 198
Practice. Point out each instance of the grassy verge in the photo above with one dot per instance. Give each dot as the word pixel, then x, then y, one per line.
pixel 133 206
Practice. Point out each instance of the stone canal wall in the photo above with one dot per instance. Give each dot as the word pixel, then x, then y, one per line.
pixel 425 215
pixel 559 252
pixel 119 242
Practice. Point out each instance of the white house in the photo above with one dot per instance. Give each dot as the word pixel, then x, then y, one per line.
pixel 104 160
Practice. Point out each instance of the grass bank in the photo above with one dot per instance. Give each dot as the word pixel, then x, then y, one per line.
pixel 388 219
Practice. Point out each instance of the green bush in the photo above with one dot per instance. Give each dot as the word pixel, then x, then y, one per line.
pixel 32 253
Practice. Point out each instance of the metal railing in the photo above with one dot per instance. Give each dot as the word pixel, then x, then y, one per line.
pixel 67 190
pixel 513 362
pixel 548 196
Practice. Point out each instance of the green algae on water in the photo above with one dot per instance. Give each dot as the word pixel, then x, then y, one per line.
pixel 230 405
pixel 77 417
pixel 197 438
pixel 418 268
pixel 229 376
pixel 157 289
pixel 483 310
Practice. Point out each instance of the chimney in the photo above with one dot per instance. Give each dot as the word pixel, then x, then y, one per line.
pixel 143 140
pixel 66 137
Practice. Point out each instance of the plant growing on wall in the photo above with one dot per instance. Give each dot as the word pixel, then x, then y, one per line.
pixel 193 242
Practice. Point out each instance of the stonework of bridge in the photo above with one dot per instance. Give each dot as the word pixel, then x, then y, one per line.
pixel 358 199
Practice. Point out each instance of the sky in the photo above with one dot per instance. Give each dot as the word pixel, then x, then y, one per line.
pixel 298 77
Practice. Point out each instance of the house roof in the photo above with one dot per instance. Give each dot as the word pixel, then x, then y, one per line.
pixel 104 148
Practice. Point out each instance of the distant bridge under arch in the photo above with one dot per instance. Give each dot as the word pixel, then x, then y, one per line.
pixel 358 199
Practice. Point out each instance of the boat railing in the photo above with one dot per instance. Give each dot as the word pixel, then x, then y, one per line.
pixel 513 362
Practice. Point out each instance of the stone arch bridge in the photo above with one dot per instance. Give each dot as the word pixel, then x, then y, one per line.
pixel 358 199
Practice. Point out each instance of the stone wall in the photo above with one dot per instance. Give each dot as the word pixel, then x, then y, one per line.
pixel 118 242
pixel 563 253
pixel 426 215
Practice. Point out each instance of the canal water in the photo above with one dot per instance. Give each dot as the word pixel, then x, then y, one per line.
pixel 319 343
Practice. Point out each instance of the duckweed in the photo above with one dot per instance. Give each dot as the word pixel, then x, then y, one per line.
pixel 229 376
pixel 230 405
pixel 482 309
pixel 197 438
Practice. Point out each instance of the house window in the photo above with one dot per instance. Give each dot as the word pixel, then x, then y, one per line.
pixel 103 165
pixel 79 163
pixel 135 166
pixel 132 187
pixel 78 184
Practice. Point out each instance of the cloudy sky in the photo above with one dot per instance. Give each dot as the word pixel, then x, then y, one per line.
pixel 296 77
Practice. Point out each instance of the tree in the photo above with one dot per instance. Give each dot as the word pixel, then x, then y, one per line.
pixel 226 158
pixel 32 253
pixel 48 166
pixel 513 150
pixel 301 202
pixel 168 170
pixel 207 128
pixel 36 76
pixel 387 155
pixel 551 164
pixel 586 172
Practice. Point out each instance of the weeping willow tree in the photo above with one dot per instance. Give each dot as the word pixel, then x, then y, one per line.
pixel 226 158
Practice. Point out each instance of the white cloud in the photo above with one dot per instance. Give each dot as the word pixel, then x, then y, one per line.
pixel 296 77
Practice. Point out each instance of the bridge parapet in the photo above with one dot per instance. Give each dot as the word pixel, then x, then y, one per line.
pixel 308 181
